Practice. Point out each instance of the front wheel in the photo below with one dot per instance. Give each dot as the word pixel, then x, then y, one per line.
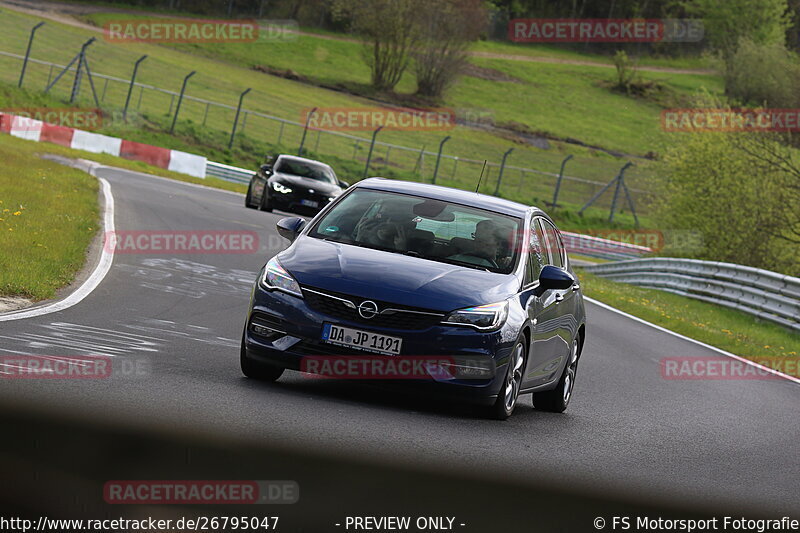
pixel 557 400
pixel 248 199
pixel 266 204
pixel 507 398
pixel 255 370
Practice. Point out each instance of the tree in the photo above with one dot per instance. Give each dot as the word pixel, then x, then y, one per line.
pixel 448 27
pixel 740 191
pixel 391 30
pixel 727 22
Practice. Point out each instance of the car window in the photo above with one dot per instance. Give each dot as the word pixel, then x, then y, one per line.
pixel 432 229
pixel 304 169
pixel 554 247
pixel 536 250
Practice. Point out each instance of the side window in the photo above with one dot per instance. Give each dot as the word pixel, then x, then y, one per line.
pixel 536 252
pixel 554 247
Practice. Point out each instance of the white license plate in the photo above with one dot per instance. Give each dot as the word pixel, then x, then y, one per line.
pixel 361 340
pixel 309 203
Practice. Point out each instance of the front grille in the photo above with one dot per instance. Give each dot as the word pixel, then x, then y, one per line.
pixel 407 318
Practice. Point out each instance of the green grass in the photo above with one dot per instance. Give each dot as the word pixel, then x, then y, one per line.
pixel 48 217
pixel 560 99
pixel 726 329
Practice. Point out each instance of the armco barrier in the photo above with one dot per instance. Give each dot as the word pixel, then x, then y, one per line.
pixel 36 130
pixel 576 243
pixel 228 173
pixel 762 293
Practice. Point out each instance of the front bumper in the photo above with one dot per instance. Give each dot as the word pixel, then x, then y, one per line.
pixel 284 330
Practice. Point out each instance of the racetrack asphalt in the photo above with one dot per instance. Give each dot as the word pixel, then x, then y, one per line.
pixel 180 317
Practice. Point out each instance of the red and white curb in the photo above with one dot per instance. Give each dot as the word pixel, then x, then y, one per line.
pixel 36 130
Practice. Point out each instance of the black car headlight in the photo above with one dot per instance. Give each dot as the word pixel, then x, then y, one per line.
pixel 277 278
pixel 484 317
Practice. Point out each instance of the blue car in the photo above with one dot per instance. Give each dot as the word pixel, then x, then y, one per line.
pixel 451 292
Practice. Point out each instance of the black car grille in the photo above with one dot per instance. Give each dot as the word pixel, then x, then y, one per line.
pixel 406 318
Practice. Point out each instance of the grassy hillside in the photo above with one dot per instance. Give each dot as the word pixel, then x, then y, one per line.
pixel 560 100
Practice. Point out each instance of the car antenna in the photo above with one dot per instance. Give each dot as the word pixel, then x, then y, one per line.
pixel 481 176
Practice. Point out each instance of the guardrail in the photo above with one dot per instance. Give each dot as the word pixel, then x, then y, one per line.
pixel 228 173
pixel 762 293
pixel 577 243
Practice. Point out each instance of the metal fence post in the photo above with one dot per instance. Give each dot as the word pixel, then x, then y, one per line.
pixel 305 131
pixel 180 100
pixel 620 183
pixel 236 120
pixel 439 158
pixel 28 53
pixel 558 181
pixel 502 168
pixel 371 147
pixel 130 87
pixel 76 85
pixel 280 134
pixel 205 113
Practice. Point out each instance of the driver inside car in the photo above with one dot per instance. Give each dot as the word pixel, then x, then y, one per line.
pixel 487 246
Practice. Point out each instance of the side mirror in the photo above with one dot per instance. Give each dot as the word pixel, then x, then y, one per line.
pixel 266 169
pixel 290 227
pixel 555 278
pixel 343 184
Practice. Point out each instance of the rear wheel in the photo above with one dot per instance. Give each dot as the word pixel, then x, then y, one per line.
pixel 255 370
pixel 557 400
pixel 509 394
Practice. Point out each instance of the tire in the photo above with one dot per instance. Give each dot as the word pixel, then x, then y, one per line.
pixel 255 370
pixel 557 400
pixel 248 199
pixel 266 205
pixel 508 396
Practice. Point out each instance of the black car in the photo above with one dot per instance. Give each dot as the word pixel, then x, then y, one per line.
pixel 294 184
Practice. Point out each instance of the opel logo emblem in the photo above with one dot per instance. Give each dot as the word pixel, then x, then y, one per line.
pixel 368 309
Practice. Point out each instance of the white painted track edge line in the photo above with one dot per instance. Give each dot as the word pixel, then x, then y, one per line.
pixel 695 341
pixel 94 279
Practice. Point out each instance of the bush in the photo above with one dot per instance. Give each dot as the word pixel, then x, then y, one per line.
pixel 763 74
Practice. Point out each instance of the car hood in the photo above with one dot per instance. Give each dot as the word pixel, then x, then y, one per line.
pixel 306 183
pixel 391 277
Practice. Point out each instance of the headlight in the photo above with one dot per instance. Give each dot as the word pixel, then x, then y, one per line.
pixel 276 277
pixel 281 188
pixel 489 316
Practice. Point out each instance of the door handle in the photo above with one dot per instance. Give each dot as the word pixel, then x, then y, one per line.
pixel 559 298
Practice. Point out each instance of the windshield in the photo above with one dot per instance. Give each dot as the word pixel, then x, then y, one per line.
pixel 305 169
pixel 427 228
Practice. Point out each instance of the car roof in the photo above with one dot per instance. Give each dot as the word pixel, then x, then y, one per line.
pixel 301 159
pixel 458 196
